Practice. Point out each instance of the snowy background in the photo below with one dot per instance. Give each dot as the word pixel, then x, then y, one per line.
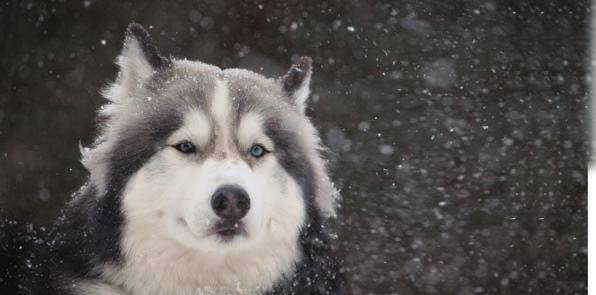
pixel 457 129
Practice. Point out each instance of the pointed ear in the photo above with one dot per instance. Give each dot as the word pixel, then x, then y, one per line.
pixel 138 40
pixel 139 59
pixel 297 81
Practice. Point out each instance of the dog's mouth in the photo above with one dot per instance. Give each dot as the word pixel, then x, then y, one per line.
pixel 226 231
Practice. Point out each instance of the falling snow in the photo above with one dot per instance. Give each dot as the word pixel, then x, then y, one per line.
pixel 455 129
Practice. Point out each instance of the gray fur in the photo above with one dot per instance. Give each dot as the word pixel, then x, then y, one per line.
pixel 146 105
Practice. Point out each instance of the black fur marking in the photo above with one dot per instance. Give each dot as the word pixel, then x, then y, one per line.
pixel 128 156
pixel 155 59
pixel 41 260
pixel 295 77
pixel 88 233
pixel 318 271
pixel 15 255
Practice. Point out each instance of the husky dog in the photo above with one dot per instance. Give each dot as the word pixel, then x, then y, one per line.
pixel 202 181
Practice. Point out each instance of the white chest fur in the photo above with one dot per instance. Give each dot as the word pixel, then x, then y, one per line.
pixel 161 267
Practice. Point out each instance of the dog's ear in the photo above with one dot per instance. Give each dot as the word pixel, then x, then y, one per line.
pixel 297 81
pixel 138 60
pixel 139 45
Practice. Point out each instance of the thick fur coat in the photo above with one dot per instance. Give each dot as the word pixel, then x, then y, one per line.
pixel 173 133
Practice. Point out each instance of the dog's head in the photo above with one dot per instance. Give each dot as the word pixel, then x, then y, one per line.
pixel 207 157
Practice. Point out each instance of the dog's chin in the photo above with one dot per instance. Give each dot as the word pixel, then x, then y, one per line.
pixel 219 236
pixel 227 232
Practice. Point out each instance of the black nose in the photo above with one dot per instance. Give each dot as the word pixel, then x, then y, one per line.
pixel 230 202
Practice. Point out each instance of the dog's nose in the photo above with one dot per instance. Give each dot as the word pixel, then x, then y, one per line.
pixel 230 202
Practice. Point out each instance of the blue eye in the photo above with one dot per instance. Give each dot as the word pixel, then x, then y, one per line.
pixel 257 151
pixel 185 147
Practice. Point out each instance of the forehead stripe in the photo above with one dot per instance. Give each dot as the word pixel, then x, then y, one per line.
pixel 221 112
pixel 220 103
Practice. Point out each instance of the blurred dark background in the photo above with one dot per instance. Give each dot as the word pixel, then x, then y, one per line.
pixel 457 128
